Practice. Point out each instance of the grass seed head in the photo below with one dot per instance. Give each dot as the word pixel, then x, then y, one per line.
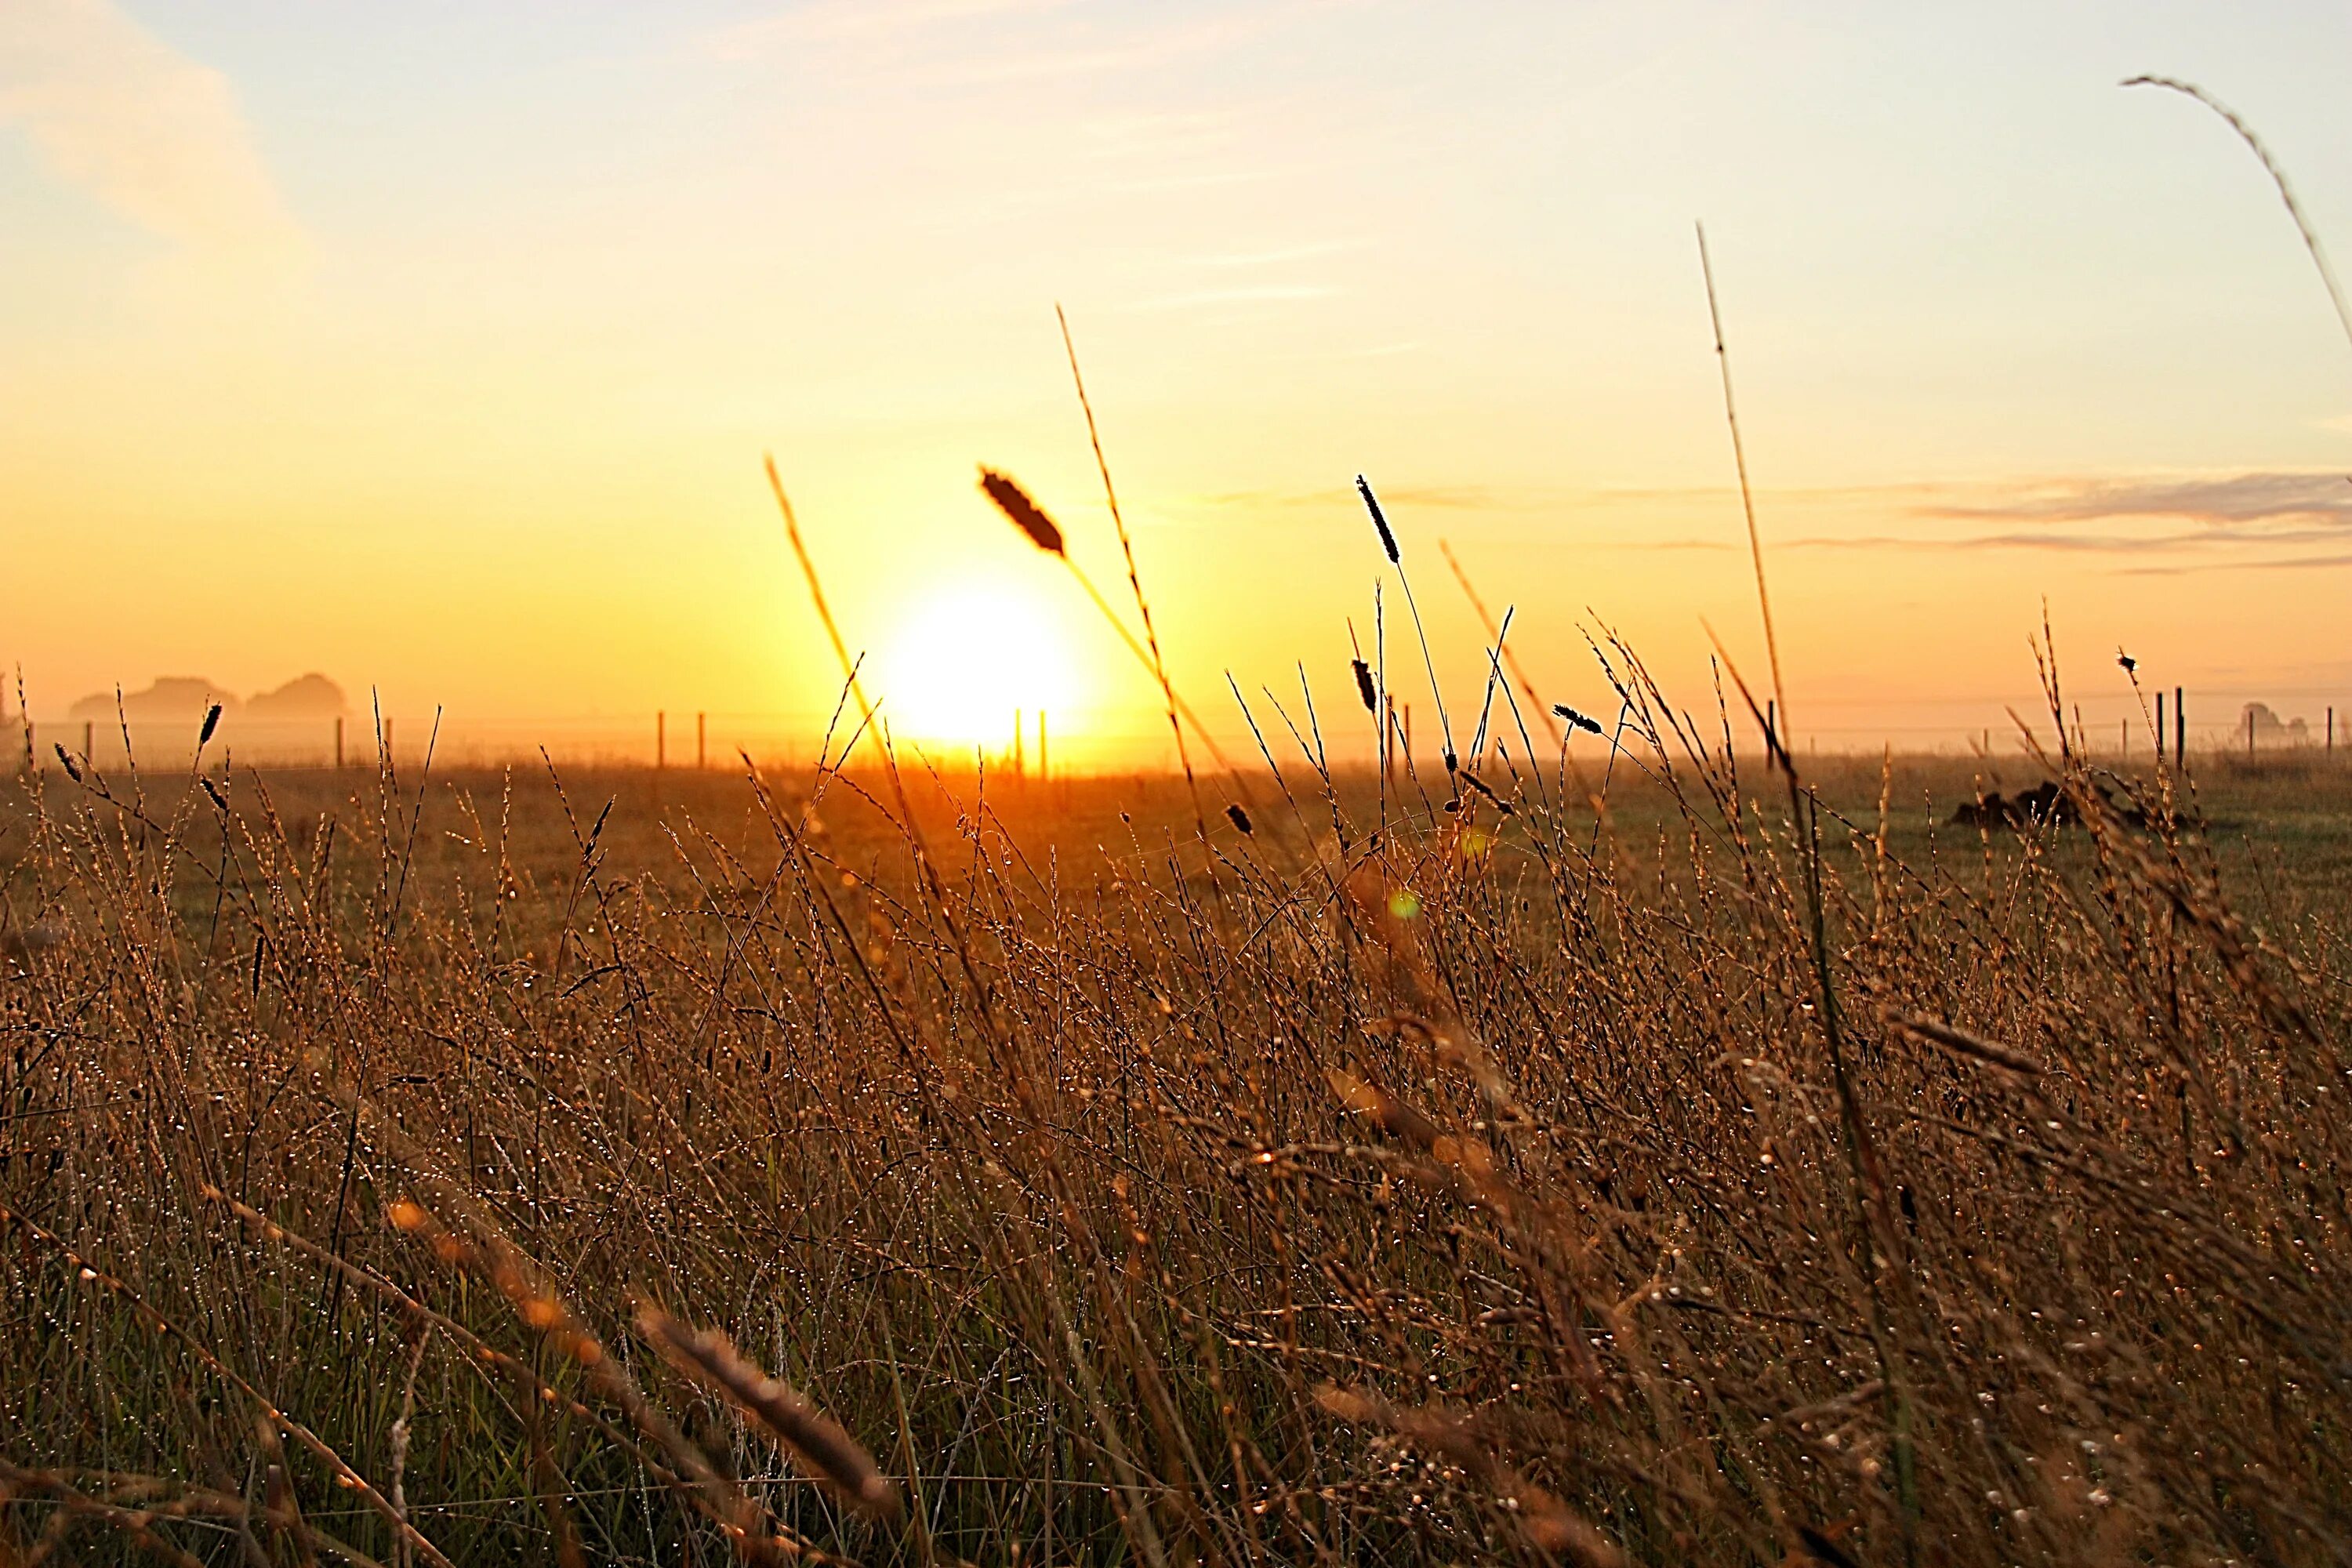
pixel 1379 520
pixel 1024 513
pixel 830 1455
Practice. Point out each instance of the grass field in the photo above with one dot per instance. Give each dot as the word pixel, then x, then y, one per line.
pixel 1731 1174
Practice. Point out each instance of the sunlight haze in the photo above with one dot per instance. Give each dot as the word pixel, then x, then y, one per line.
pixel 436 347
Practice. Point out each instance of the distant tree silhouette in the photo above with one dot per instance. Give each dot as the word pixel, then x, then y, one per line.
pixel 311 696
pixel 172 699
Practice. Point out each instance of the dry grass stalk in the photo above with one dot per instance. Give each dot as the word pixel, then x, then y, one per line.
pixel 1429 663
pixel 1511 655
pixel 1959 1042
pixel 1577 1204
pixel 485 1248
pixel 828 1454
pixel 1026 514
pixel 817 595
pixel 275 1419
pixel 1127 551
pixel 2278 178
pixel 1547 1523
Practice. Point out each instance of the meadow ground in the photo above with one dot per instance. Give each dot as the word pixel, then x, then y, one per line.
pixel 1720 1178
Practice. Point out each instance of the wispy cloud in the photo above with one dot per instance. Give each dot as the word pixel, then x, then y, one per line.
pixel 2219 504
pixel 155 135
pixel 2289 563
pixel 2158 524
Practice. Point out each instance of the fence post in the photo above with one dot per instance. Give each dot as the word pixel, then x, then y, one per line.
pixel 2179 731
pixel 661 740
pixel 2249 732
pixel 338 742
pixel 90 742
pixel 700 733
pixel 1043 773
pixel 1020 758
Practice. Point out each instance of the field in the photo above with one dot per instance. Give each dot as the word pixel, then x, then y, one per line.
pixel 1657 1161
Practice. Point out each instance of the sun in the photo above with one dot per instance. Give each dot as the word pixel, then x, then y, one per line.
pixel 971 654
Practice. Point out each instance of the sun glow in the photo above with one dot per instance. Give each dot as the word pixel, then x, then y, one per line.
pixel 971 654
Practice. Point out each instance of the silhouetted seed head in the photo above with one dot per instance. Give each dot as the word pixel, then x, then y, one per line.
pixel 218 799
pixel 72 772
pixel 1372 505
pixel 1364 685
pixel 1026 514
pixel 2126 660
pixel 212 722
pixel 1591 726
pixel 830 1455
pixel 1474 782
pixel 1238 818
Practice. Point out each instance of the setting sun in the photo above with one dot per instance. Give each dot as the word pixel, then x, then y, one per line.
pixel 972 654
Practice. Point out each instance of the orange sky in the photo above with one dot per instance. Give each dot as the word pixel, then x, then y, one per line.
pixel 436 347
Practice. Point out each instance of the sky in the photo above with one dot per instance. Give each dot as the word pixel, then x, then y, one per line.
pixel 436 347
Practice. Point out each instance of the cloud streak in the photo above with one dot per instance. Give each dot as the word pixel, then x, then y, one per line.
pixel 2213 503
pixel 2162 524
pixel 155 136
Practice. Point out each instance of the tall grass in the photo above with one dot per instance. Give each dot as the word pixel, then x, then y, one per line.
pixel 1480 1189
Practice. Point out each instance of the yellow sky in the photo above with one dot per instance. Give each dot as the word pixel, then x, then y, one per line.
pixel 437 348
